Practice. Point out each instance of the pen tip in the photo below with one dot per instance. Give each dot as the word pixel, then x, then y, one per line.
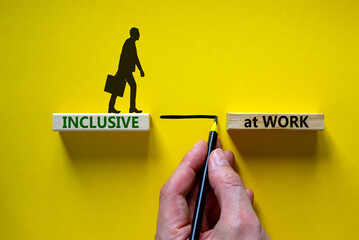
pixel 214 126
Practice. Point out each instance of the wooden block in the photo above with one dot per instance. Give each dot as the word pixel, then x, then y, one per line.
pixel 100 122
pixel 289 121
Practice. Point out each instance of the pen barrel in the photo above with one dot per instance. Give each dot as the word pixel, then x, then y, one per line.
pixel 202 190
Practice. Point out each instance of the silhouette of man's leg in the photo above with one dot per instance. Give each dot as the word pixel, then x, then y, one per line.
pixel 131 81
pixel 112 102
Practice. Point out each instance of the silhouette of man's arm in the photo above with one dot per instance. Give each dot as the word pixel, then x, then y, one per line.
pixel 139 65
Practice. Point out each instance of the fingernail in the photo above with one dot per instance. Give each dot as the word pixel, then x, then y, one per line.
pixel 219 157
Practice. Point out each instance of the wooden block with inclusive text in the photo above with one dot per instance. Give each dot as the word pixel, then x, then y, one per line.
pixel 100 122
pixel 289 121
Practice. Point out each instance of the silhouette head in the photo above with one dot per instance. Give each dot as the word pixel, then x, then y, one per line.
pixel 135 33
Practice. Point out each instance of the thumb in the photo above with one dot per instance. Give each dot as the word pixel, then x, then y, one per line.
pixel 228 186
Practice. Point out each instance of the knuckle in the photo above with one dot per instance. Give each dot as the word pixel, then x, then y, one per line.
pixel 232 180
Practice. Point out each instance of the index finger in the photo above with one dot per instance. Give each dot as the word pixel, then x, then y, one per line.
pixel 184 176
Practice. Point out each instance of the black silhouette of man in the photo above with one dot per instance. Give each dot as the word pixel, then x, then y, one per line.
pixel 128 62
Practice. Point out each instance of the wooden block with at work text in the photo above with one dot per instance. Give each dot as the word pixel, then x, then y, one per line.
pixel 289 121
pixel 100 122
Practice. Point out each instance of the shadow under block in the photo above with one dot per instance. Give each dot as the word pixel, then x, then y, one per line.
pixel 288 121
pixel 100 122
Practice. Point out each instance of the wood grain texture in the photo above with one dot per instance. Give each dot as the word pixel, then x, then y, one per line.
pixel 100 122
pixel 288 121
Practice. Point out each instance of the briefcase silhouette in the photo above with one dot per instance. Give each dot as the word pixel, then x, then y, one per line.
pixel 115 85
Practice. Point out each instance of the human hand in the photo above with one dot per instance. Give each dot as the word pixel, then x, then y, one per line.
pixel 228 212
pixel 142 73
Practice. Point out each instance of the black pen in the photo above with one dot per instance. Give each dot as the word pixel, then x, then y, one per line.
pixel 203 186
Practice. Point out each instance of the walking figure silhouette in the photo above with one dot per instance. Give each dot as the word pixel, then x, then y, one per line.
pixel 127 65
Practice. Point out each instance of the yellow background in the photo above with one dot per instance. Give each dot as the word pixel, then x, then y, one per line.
pixel 207 57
